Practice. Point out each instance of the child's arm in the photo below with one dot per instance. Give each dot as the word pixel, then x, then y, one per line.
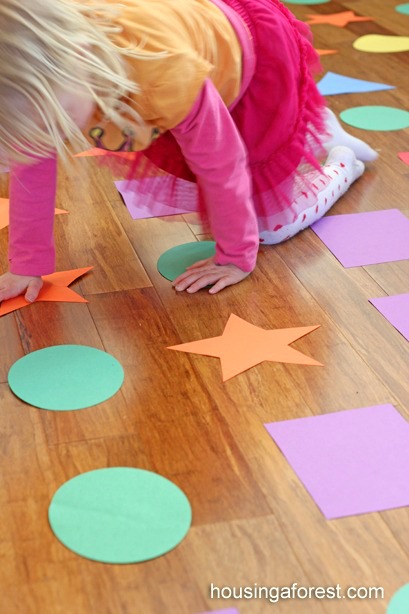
pixel 31 243
pixel 216 154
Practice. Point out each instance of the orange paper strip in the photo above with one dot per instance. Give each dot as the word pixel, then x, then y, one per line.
pixel 55 288
pixel 337 19
pixel 97 151
pixel 243 345
pixel 326 51
pixel 4 212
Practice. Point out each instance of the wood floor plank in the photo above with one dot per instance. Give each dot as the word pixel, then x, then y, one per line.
pixel 10 344
pixel 383 12
pixel 151 237
pixel 340 293
pixel 91 234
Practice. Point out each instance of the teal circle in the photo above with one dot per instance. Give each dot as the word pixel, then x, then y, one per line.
pixel 120 515
pixel 306 1
pixel 376 118
pixel 66 377
pixel 403 8
pixel 399 604
pixel 175 260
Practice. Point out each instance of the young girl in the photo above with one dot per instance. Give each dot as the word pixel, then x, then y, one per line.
pixel 219 92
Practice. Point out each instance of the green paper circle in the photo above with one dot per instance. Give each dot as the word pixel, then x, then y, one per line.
pixel 306 1
pixel 376 118
pixel 403 8
pixel 120 515
pixel 175 260
pixel 66 377
pixel 399 604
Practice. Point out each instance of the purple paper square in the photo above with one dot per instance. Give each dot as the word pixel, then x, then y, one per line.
pixel 143 198
pixel 396 310
pixel 351 462
pixel 359 239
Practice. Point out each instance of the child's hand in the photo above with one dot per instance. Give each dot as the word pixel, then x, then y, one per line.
pixel 205 273
pixel 12 285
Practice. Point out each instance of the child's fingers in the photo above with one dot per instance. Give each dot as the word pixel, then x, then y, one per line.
pixel 33 290
pixel 202 282
pixel 209 274
pixel 199 264
pixel 195 282
pixel 186 275
pixel 220 285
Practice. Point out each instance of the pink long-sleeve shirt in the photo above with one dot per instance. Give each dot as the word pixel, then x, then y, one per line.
pixel 32 204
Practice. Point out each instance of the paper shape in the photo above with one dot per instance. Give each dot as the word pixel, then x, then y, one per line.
pixel 351 462
pixel 399 604
pixel 404 10
pixel 306 1
pixel 66 377
pixel 243 345
pixel 142 204
pixel 120 515
pixel 359 239
pixel 334 83
pixel 374 117
pixel 55 288
pixel 97 151
pixel 326 51
pixel 175 260
pixel 226 611
pixel 396 310
pixel 404 156
pixel 336 19
pixel 381 43
pixel 4 212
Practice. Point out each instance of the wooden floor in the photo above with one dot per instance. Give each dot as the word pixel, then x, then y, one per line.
pixel 253 521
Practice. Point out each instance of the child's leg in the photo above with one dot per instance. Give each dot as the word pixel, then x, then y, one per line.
pixel 340 171
pixel 338 136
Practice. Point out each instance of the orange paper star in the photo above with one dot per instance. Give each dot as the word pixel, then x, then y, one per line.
pixel 55 288
pixel 243 345
pixel 4 212
pixel 337 19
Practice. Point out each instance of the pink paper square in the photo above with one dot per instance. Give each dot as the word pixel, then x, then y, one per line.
pixel 359 239
pixel 143 201
pixel 396 310
pixel 351 462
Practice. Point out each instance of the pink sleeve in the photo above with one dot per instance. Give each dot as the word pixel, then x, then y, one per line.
pixel 32 204
pixel 214 151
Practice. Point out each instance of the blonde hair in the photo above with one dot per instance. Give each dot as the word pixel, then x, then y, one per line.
pixel 46 45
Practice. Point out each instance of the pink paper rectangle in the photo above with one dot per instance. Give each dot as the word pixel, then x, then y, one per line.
pixel 360 239
pixel 396 310
pixel 142 201
pixel 351 462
